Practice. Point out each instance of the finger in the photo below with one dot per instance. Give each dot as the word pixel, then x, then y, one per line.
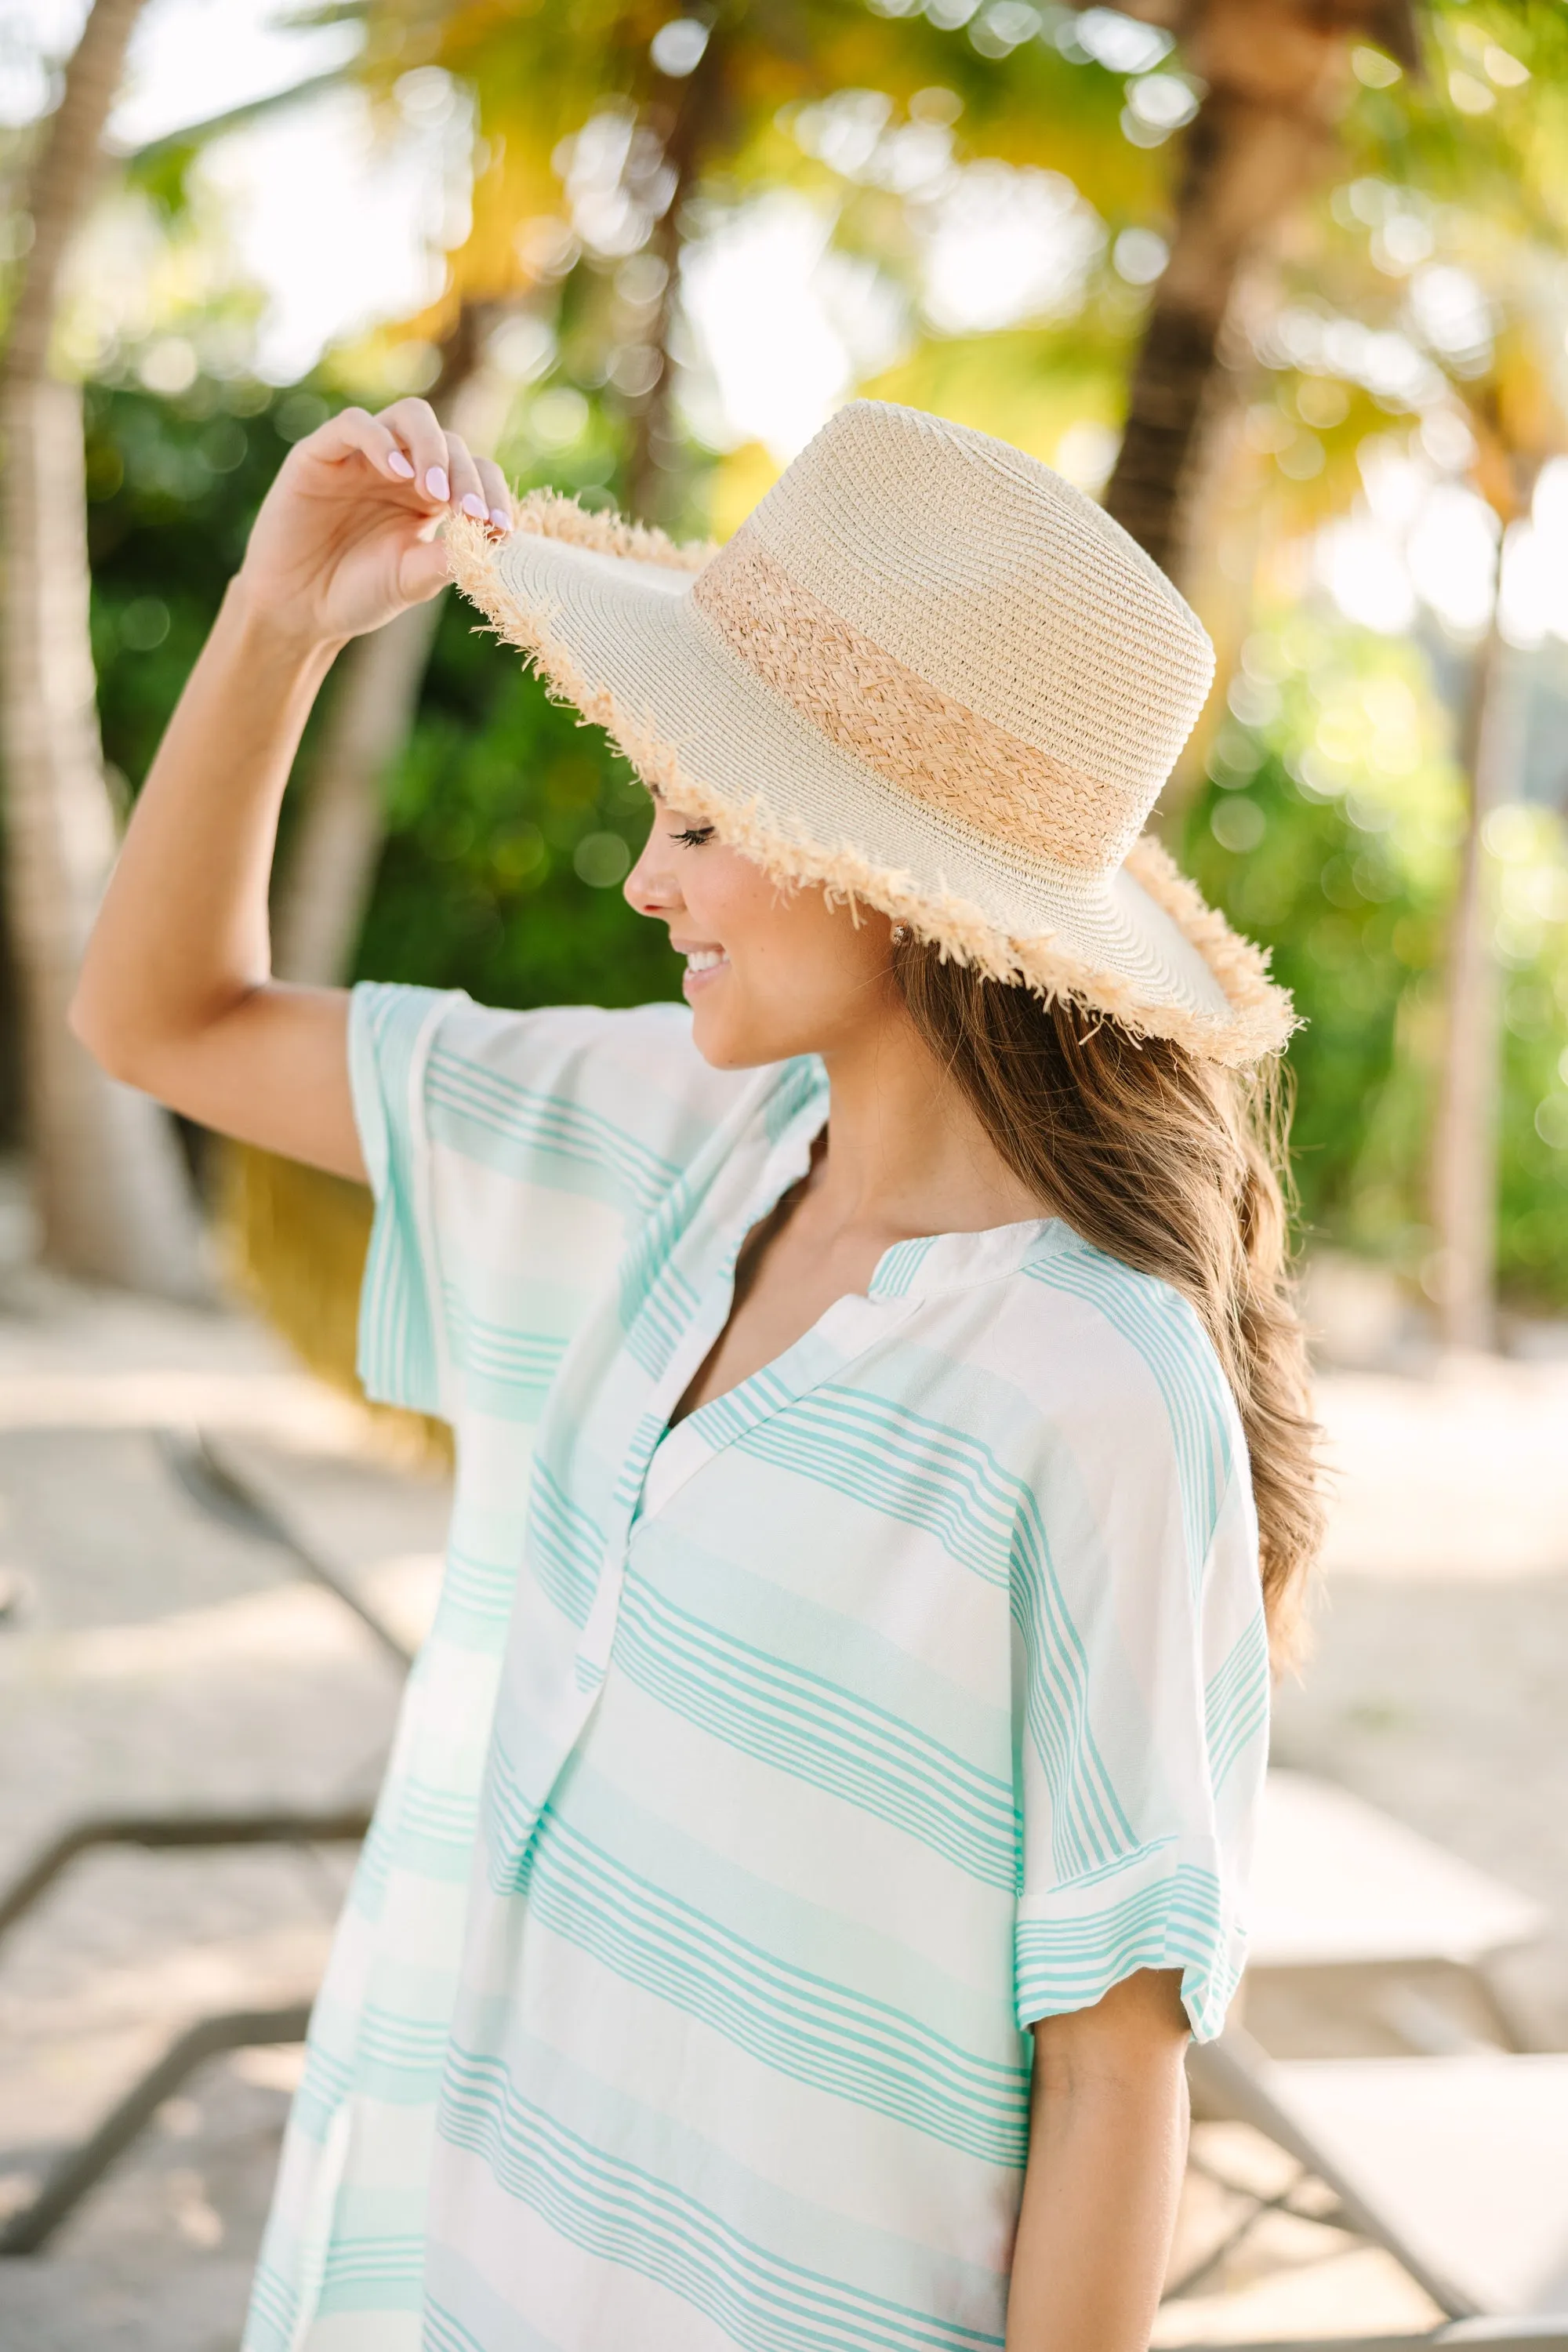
pixel 423 571
pixel 496 495
pixel 417 427
pixel 355 431
pixel 468 490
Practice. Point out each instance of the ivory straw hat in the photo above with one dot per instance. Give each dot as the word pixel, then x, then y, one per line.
pixel 926 673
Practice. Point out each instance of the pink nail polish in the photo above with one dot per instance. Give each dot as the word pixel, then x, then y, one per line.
pixel 398 464
pixel 473 505
pixel 436 484
pixel 500 518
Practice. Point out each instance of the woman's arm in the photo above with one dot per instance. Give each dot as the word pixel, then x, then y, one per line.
pixel 175 994
pixel 1108 2135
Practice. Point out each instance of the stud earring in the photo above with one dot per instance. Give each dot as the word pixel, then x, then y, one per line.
pixel 899 934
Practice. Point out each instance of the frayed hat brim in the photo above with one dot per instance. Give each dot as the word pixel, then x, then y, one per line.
pixel 603 610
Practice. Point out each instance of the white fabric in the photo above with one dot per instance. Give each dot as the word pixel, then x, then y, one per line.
pixel 912 1691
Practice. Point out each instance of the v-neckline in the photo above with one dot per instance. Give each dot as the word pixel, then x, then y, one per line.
pixel 846 1327
pixel 842 1331
pixel 737 1298
pixel 680 1446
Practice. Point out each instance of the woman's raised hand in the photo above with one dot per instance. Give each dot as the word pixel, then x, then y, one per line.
pixel 175 995
pixel 345 539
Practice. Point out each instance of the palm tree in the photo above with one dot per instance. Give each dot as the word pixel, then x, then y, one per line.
pixel 1464 1153
pixel 1489 179
pixel 112 1195
pixel 1276 72
pixel 1516 426
pixel 535 84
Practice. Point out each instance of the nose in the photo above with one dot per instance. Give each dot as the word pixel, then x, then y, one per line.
pixel 651 887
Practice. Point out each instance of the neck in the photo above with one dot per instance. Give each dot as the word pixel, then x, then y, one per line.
pixel 905 1152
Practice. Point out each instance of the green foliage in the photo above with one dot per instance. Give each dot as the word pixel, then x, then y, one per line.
pixel 1327 827
pixel 1529 849
pixel 1329 819
pixel 510 826
pixel 172 488
pixel 510 829
pixel 1345 887
pixel 162 172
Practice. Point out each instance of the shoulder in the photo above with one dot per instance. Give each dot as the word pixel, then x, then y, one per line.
pixel 566 1095
pixel 530 1047
pixel 1121 1333
pixel 1129 1407
pixel 639 1063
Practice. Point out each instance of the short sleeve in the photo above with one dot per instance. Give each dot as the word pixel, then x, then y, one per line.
pixel 510 1155
pixel 1142 1678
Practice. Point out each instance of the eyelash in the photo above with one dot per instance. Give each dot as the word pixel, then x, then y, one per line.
pixel 693 836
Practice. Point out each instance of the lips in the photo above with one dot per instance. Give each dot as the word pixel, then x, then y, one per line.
pixel 705 967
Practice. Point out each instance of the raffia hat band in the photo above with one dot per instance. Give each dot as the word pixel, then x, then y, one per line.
pixel 925 673
pixel 873 706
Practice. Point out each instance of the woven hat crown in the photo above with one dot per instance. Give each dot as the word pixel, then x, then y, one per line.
pixel 926 676
pixel 971 625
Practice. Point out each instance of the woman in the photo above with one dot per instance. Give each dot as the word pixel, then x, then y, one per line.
pixel 879 1423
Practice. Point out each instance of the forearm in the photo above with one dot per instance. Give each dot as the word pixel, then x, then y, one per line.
pixel 175 995
pixel 1105 2158
pixel 182 937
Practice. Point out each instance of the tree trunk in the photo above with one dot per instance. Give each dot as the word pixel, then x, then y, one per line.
pixel 1465 1137
pixel 688 132
pixel 1276 72
pixel 113 1199
pixel 333 863
pixel 1242 168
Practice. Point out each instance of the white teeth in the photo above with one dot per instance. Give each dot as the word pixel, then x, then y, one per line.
pixel 704 959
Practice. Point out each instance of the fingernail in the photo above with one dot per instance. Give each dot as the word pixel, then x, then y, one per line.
pixel 397 463
pixel 500 518
pixel 473 505
pixel 436 484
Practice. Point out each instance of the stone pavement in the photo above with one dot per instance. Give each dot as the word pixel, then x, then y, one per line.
pixel 156 1658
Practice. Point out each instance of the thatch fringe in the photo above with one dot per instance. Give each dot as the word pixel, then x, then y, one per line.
pixel 552 515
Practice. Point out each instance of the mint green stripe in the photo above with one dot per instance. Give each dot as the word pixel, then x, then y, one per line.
pixel 1088 1826
pixel 496 2325
pixel 547 1126
pixel 398 1362
pixel 889 1459
pixel 1064 1964
pixel 820 1732
pixel 274 2305
pixel 373 2274
pixel 898 1267
pixel 565 1547
pixel 630 2217
pixel 1236 1702
pixel 799 1082
pixel 1166 1333
pixel 789 2016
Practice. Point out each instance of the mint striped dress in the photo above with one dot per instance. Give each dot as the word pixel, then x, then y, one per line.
pixel 762 1779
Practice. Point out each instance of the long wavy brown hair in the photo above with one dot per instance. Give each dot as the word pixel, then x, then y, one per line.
pixel 1177 1168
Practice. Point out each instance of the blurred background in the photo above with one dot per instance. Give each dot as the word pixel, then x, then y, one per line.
pixel 1285 284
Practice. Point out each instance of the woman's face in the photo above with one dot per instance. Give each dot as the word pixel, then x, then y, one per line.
pixel 771 970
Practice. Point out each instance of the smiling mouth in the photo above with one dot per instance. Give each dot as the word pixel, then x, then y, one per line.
pixel 703 966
